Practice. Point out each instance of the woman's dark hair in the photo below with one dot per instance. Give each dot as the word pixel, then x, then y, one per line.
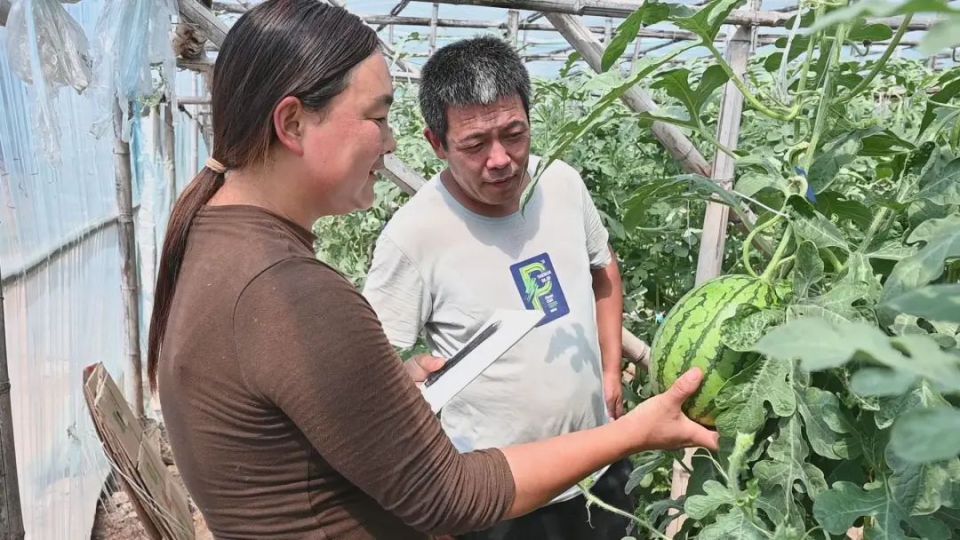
pixel 300 48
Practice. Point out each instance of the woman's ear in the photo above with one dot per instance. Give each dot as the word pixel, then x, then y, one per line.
pixel 289 121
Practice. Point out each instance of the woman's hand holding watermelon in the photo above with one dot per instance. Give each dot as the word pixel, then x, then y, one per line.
pixel 662 425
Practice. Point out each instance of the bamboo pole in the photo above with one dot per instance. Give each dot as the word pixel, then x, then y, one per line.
pixel 636 54
pixel 676 143
pixel 513 27
pixel 197 14
pixel 128 256
pixel 169 151
pixel 433 27
pixel 4 11
pixel 390 20
pixel 11 520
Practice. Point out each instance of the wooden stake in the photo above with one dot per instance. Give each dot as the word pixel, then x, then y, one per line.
pixel 11 520
pixel 513 25
pixel 128 256
pixel 713 239
pixel 433 27
pixel 169 151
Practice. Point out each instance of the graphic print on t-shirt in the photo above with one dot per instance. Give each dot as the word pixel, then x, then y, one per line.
pixel 539 287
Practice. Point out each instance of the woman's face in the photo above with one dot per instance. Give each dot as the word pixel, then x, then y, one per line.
pixel 343 147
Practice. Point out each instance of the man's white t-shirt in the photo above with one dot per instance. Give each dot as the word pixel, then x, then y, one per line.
pixel 441 268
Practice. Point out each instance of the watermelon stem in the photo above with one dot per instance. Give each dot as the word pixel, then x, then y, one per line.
pixel 593 500
pixel 748 243
pixel 777 255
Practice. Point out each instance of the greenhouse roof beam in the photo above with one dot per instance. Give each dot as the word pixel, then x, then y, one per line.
pixel 621 9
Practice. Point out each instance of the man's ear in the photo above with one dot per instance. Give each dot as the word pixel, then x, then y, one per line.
pixel 288 123
pixel 435 143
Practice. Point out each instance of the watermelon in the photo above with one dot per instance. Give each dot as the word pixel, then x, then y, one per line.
pixel 690 337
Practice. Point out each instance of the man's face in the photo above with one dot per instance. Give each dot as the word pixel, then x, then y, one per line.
pixel 487 148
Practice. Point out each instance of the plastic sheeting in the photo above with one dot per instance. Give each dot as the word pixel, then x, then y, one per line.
pixel 60 265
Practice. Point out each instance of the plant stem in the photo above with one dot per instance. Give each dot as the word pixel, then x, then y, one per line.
pixel 882 61
pixel 593 500
pixel 880 220
pixel 834 261
pixel 805 68
pixel 745 251
pixel 778 254
pixel 741 446
pixel 828 88
pixel 785 59
pixel 752 99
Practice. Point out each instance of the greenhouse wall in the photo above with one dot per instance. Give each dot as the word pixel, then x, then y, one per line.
pixel 60 266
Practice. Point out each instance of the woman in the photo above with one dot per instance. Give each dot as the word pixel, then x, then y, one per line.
pixel 289 414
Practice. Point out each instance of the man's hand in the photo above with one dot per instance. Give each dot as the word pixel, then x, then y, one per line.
pixel 421 366
pixel 613 394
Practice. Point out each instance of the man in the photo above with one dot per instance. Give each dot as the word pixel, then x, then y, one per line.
pixel 461 248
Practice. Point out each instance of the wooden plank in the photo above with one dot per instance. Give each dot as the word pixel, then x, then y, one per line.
pixel 676 143
pixel 160 502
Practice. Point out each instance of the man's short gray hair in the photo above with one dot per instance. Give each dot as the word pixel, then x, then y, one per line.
pixel 476 71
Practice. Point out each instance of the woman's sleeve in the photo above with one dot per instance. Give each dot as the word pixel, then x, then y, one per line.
pixel 310 343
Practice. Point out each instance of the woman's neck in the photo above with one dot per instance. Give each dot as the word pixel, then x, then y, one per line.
pixel 268 189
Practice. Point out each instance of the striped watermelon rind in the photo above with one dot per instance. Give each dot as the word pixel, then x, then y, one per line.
pixel 691 337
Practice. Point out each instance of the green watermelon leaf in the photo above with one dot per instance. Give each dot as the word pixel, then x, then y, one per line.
pixel 820 231
pixel 908 357
pixel 864 31
pixel 843 504
pixel 742 331
pixel 827 426
pixel 949 89
pixel 921 396
pixel 746 403
pixel 922 488
pixel 707 21
pixel 649 13
pixel 892 250
pixel 933 302
pixel 927 435
pixel 941 239
pixel 787 465
pixel 825 168
pixel 808 270
pixel 733 524
pixel 715 496
pixel 942 186
pixel 675 83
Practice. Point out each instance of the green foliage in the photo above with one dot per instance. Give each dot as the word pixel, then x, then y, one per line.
pixel 851 169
